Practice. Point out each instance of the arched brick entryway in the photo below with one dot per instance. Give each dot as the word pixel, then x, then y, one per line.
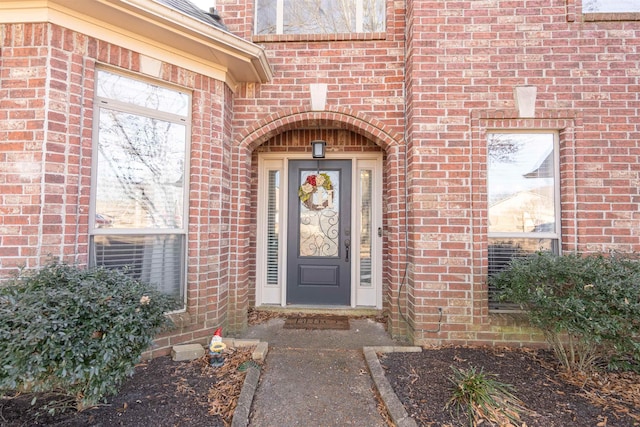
pixel 297 119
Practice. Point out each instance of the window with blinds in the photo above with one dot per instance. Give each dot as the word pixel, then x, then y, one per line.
pixel 139 192
pixel 153 259
pixel 273 214
pixel 523 195
pixel 366 218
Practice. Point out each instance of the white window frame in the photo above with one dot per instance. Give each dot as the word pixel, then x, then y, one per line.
pixel 269 293
pixel 611 6
pixel 280 10
pixel 113 104
pixel 555 235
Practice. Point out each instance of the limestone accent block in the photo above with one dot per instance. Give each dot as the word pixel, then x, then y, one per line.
pixel 187 352
pixel 260 353
pixel 246 342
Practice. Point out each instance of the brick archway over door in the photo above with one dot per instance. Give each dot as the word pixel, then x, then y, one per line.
pixel 300 118
pixel 337 118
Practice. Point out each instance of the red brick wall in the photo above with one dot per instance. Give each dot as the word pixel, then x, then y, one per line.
pixel 364 76
pixel 427 102
pixel 363 73
pixel 463 59
pixel 40 150
pixel 46 112
pixel 22 73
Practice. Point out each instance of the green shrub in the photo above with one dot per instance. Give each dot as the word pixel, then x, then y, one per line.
pixel 77 331
pixel 587 306
pixel 483 398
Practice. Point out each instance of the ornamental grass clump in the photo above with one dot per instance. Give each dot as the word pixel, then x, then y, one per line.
pixel 483 398
pixel 587 306
pixel 75 331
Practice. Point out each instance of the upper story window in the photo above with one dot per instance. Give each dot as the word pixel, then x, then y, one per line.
pixel 319 16
pixel 139 186
pixel 610 6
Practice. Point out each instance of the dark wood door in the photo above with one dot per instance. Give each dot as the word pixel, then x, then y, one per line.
pixel 319 232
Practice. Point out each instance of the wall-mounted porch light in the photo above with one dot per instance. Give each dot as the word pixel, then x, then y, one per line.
pixel 317 149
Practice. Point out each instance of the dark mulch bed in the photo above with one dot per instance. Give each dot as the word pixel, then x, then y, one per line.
pixel 160 393
pixel 166 393
pixel 421 381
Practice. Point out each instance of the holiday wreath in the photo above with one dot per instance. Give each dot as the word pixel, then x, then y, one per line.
pixel 311 186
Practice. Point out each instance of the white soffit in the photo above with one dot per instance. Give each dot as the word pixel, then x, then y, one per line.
pixel 154 30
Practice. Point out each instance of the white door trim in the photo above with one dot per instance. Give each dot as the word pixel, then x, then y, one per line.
pixel 274 293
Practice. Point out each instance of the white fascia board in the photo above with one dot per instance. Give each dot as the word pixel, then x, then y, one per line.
pixel 154 30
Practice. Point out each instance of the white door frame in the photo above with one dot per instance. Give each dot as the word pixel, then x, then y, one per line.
pixel 362 295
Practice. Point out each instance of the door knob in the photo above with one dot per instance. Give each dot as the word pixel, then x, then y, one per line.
pixel 347 246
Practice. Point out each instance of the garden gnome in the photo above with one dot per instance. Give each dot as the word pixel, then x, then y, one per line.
pixel 215 349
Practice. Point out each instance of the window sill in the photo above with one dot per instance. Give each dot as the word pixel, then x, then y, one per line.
pixel 278 38
pixel 617 16
pixel 511 318
pixel 506 308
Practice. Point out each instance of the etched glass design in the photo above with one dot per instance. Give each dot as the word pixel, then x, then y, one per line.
pixel 320 216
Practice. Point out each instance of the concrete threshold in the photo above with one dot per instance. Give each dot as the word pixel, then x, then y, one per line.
pixel 330 309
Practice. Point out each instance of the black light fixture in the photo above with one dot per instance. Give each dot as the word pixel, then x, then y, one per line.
pixel 317 149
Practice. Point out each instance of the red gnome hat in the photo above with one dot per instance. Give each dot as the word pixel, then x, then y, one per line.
pixel 218 332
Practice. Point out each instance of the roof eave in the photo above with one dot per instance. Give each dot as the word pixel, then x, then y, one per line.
pixel 155 30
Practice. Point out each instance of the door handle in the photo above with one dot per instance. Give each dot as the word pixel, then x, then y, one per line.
pixel 347 246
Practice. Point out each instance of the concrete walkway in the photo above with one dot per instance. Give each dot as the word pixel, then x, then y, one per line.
pixel 317 378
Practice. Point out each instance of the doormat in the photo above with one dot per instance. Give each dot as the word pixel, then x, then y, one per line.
pixel 317 322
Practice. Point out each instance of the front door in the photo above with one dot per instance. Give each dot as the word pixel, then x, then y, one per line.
pixel 319 232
